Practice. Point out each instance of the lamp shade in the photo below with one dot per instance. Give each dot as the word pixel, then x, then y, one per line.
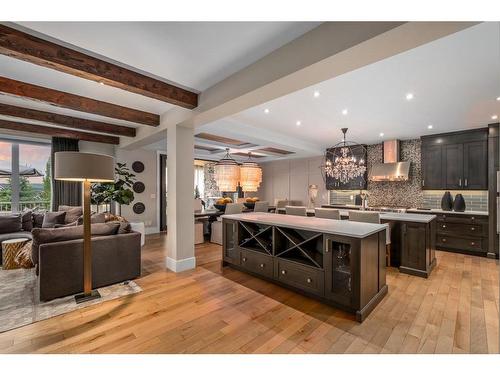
pixel 250 176
pixel 81 166
pixel 227 173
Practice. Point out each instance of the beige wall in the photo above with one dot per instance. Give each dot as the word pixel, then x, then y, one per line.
pixel 291 179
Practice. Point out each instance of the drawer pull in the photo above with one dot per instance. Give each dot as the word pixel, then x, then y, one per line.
pixel 472 218
pixel 283 272
pixel 472 228
pixel 472 243
pixel 244 259
pixel 443 240
pixel 444 226
pixel 309 280
pixel 262 265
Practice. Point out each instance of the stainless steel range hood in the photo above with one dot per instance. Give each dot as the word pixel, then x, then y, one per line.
pixel 391 169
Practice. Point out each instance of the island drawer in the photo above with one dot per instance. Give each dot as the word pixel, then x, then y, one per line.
pixel 256 262
pixel 300 276
pixel 462 218
pixel 462 229
pixel 453 242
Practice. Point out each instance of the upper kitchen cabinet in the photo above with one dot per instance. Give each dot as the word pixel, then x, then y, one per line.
pixel 456 160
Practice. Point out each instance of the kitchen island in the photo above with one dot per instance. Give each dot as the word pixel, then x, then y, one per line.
pixel 339 262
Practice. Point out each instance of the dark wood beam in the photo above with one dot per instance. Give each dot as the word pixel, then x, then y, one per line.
pixel 76 102
pixel 58 132
pixel 66 121
pixel 23 46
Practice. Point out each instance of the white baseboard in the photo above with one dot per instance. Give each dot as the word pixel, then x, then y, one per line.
pixel 181 265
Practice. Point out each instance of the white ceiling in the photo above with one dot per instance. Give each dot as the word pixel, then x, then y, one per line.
pixel 193 54
pixel 455 81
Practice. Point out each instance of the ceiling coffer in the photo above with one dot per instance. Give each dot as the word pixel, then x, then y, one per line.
pixel 391 169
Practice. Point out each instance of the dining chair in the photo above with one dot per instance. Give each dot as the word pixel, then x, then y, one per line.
pixel 231 208
pixel 261 207
pixel 373 217
pixel 327 213
pixel 295 210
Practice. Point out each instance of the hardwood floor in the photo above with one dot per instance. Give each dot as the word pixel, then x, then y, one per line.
pixel 214 310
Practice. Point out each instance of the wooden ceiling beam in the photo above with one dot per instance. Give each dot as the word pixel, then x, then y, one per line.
pixel 76 102
pixel 66 121
pixel 58 132
pixel 26 47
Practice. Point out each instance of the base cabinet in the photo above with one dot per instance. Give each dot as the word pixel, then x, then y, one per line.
pixel 462 233
pixel 345 272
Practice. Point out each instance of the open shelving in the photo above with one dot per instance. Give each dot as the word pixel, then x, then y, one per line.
pixel 299 246
pixel 256 237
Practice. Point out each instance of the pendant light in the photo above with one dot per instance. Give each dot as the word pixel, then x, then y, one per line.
pixel 345 161
pixel 227 173
pixel 250 175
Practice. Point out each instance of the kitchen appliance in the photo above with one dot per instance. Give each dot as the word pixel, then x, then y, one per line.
pixel 391 169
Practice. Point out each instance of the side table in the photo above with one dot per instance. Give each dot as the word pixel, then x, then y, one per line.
pixel 10 248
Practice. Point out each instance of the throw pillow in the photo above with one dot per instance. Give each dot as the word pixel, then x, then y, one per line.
pixel 72 213
pixel 38 219
pixel 49 235
pixel 10 223
pixel 94 218
pixel 23 257
pixel 112 217
pixel 52 218
pixel 27 220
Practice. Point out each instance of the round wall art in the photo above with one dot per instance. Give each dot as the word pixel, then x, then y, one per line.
pixel 138 166
pixel 139 208
pixel 138 187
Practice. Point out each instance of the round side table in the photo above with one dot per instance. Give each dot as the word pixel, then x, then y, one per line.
pixel 10 248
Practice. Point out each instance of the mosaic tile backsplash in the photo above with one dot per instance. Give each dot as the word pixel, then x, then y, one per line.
pixel 406 193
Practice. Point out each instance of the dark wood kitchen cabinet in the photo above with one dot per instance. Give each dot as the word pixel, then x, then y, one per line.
pixel 457 160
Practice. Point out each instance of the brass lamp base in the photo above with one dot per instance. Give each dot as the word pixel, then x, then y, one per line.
pixel 84 297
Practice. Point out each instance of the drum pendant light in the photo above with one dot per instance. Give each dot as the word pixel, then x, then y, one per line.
pixel 227 173
pixel 250 175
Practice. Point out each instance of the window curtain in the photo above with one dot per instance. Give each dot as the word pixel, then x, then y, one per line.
pixel 199 180
pixel 65 192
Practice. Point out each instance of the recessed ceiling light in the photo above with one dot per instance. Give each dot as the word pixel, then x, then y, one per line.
pixel 409 96
pixel 494 117
pixel 316 94
pixel 498 98
pixel 345 111
pixel 381 134
pixel 429 126
pixel 298 123
pixel 266 111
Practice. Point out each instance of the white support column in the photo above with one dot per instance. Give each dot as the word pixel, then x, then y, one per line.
pixel 180 195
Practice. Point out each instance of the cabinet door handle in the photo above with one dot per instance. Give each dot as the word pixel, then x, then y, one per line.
pixel 465 182
pixel 472 228
pixel 309 280
pixel 283 272
pixel 262 265
pixel 472 243
pixel 423 182
pixel 444 226
pixel 443 240
pixel 244 259
pixel 459 182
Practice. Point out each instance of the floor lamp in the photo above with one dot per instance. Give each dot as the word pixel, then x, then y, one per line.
pixel 87 168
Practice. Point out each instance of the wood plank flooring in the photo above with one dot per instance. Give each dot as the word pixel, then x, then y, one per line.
pixel 214 310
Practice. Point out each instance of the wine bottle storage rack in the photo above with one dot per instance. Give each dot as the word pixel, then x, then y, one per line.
pixel 299 246
pixel 256 237
pixel 342 277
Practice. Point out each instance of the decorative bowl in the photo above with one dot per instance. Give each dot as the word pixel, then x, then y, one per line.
pixel 220 207
pixel 249 205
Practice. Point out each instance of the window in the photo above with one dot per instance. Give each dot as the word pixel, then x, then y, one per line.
pixel 25 177
pixel 199 180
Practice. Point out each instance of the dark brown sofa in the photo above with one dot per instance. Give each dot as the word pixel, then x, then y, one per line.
pixel 115 258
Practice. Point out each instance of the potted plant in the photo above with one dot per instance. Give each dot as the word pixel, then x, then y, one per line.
pixel 119 191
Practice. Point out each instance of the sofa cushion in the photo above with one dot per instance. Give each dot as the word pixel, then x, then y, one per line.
pixel 72 213
pixel 27 220
pixel 94 219
pixel 50 219
pixel 10 223
pixel 50 235
pixel 38 219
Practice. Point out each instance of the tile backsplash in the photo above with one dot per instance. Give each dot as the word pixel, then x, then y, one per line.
pixel 474 200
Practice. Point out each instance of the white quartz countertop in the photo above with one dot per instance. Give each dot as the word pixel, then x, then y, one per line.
pixel 338 227
pixel 439 211
pixel 394 216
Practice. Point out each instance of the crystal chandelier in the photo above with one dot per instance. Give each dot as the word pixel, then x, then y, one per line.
pixel 227 173
pixel 250 175
pixel 344 161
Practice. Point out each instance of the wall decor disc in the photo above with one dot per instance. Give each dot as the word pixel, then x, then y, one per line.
pixel 139 187
pixel 139 208
pixel 138 166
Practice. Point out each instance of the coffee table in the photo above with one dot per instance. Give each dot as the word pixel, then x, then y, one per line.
pixel 10 249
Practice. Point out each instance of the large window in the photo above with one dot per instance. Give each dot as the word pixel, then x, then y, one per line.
pixel 25 180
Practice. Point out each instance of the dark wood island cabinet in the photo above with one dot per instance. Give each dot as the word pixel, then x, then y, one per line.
pixel 338 262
